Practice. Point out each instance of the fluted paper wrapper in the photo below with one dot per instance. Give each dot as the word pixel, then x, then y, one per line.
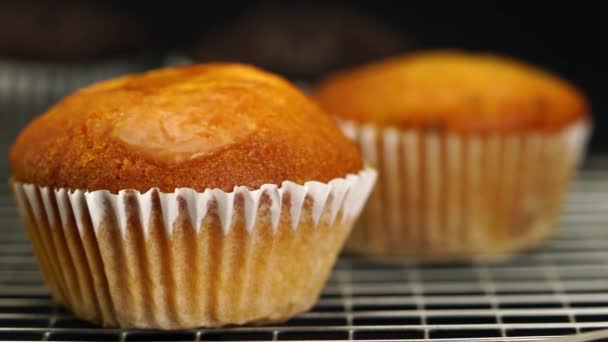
pixel 191 259
pixel 445 196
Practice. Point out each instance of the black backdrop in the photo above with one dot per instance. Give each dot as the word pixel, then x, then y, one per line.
pixel 567 39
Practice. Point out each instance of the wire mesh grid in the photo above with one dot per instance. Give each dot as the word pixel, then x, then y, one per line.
pixel 557 290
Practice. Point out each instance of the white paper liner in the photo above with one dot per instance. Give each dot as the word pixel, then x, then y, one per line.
pixel 188 259
pixel 348 196
pixel 446 196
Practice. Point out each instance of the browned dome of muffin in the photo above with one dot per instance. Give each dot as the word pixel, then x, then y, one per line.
pixel 453 90
pixel 203 126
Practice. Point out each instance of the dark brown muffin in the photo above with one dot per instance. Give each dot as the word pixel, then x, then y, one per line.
pixel 301 42
pixel 68 30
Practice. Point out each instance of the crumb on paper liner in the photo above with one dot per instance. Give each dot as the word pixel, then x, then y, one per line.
pixel 135 260
pixel 445 196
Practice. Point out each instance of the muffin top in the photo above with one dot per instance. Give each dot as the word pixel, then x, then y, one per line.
pixel 453 91
pixel 203 126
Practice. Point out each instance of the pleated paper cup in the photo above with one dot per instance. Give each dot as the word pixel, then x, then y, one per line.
pixel 447 196
pixel 190 259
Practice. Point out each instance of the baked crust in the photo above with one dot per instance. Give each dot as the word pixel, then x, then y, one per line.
pixel 454 91
pixel 205 126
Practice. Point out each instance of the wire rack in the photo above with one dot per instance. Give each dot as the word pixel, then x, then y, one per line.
pixel 558 290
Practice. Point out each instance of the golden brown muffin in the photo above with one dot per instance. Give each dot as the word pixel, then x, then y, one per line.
pixel 206 126
pixel 258 191
pixel 463 143
pixel 455 91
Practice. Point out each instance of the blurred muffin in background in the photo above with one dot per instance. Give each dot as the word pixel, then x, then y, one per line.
pixel 48 49
pixel 474 152
pixel 301 41
pixel 68 30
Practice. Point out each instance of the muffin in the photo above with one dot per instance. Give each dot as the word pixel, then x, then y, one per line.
pixel 474 152
pixel 50 49
pixel 301 41
pixel 34 29
pixel 195 196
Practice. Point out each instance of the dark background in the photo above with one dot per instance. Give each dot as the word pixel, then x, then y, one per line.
pixel 566 39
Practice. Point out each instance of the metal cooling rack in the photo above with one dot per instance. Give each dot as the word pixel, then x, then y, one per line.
pixel 561 289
